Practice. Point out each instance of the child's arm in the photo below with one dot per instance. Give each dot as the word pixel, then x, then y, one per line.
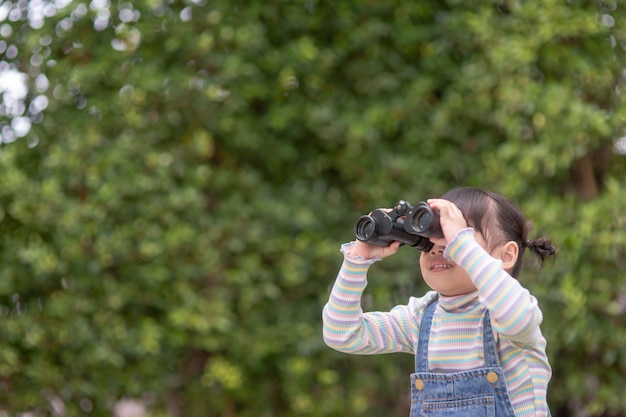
pixel 348 329
pixel 514 311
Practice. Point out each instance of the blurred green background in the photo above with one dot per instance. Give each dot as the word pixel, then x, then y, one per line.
pixel 176 178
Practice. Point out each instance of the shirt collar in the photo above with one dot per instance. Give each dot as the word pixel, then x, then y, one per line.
pixel 459 303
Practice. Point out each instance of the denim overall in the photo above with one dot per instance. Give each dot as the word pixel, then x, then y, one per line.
pixel 477 393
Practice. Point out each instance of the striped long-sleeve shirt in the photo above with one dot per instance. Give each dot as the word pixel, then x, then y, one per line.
pixel 456 335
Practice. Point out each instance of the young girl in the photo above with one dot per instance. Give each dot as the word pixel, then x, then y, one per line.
pixel 478 347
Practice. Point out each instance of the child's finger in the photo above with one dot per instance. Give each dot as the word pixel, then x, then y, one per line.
pixel 451 218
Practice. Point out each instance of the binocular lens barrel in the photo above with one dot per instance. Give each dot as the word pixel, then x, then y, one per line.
pixel 422 220
pixel 365 228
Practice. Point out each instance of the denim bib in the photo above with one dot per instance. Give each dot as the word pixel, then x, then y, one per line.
pixel 480 392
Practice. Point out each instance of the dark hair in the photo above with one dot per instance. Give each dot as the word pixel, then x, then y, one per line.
pixel 499 221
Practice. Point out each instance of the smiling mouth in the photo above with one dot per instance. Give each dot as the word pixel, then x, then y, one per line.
pixel 440 267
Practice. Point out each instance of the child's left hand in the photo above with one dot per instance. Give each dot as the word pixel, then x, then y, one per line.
pixel 450 218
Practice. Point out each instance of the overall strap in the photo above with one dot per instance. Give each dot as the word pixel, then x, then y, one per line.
pixel 421 356
pixel 489 344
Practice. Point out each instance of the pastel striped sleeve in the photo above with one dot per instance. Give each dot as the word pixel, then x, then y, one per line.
pixel 514 311
pixel 347 329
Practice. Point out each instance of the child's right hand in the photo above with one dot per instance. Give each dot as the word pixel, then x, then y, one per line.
pixel 368 251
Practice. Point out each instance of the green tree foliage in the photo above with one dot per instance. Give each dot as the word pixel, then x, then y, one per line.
pixel 170 225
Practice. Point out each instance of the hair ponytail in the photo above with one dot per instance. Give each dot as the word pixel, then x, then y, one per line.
pixel 542 247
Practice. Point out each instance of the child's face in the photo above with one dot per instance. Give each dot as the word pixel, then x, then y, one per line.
pixel 444 276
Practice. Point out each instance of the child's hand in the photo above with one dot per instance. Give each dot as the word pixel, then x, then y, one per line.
pixel 450 218
pixel 368 251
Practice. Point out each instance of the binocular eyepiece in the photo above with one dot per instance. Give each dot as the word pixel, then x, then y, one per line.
pixel 409 225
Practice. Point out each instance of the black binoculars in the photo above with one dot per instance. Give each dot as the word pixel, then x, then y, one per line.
pixel 409 225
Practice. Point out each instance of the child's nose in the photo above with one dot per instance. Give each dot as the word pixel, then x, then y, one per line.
pixel 437 249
